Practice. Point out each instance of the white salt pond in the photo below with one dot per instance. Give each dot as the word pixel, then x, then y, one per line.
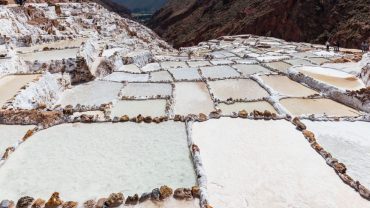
pixel 173 64
pixel 10 135
pixel 11 84
pixel 126 77
pixel 169 203
pixel 333 77
pixel 151 67
pixel 62 44
pixel 192 98
pixel 249 69
pixel 275 167
pixel 133 108
pixel 279 66
pixel 131 68
pixel 248 106
pixel 185 74
pixel 199 63
pixel 298 106
pixel 349 143
pixel 214 72
pixel 45 56
pixel 147 90
pixel 285 86
pixel 160 76
pixel 296 62
pixel 85 161
pixel 91 93
pixel 319 60
pixel 237 89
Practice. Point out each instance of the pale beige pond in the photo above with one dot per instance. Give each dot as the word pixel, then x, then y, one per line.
pixel 147 90
pixel 133 108
pixel 285 86
pixel 249 69
pixel 11 84
pixel 11 134
pixel 279 66
pixel 237 89
pixel 319 60
pixel 248 106
pixel 298 106
pixel 192 98
pixel 45 56
pixel 333 77
pixel 54 45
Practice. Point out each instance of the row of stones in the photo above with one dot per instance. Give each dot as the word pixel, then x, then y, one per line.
pixel 113 200
pixel 339 167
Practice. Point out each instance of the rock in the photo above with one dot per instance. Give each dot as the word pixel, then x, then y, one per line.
pixel 325 154
pixel 346 178
pixel 340 168
pixel 100 203
pixel 38 203
pixel 8 151
pixel 316 146
pixel 274 116
pixel 24 202
pixel 144 197
pixel 267 115
pixel 215 114
pixel 207 206
pixel 156 120
pixel 364 192
pixel 148 119
pixel 195 148
pixel 7 204
pixel 28 134
pixel 89 203
pixel 331 161
pixel 183 194
pixel 195 191
pixel 124 118
pixel 310 136
pixel 300 126
pixel 165 192
pixel 156 194
pixel 243 114
pixel 139 119
pixel 115 200
pixel 68 110
pixel 178 118
pixel 257 114
pixel 132 200
pixel 70 204
pixel 87 118
pixel 54 201
pixel 202 117
pixel 115 119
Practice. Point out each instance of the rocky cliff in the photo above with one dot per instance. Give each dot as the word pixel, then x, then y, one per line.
pixel 188 22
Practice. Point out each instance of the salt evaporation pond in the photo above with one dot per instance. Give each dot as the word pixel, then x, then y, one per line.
pixel 285 86
pixel 298 106
pixel 279 169
pixel 91 93
pixel 199 63
pixel 10 135
pixel 173 64
pixel 11 84
pixel 181 74
pixel 131 68
pixel 62 44
pixel 133 108
pixel 219 72
pixel 296 62
pixel 248 106
pixel 147 90
pixel 249 69
pixel 169 203
pixel 237 89
pixel 319 60
pixel 126 77
pixel 45 56
pixel 86 161
pixel 348 142
pixel 333 77
pixel 279 66
pixel 160 76
pixel 192 98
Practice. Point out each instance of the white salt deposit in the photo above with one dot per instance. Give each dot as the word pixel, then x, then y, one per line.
pixel 126 77
pixel 185 74
pixel 173 64
pixel 318 60
pixel 192 98
pixel 349 143
pixel 131 68
pixel 85 161
pixel 151 67
pixel 279 66
pixel 214 72
pixel 296 62
pixel 133 108
pixel 237 89
pixel 45 56
pixel 10 135
pixel 248 106
pixel 160 76
pixel 169 203
pixel 275 167
pixel 199 63
pixel 147 90
pixel 249 69
pixel 92 93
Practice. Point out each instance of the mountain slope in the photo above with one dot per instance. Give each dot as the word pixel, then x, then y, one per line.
pixel 142 5
pixel 188 22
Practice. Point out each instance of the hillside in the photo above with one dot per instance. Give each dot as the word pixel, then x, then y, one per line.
pixel 142 5
pixel 190 21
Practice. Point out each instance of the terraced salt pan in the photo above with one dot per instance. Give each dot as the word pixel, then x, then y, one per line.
pixel 192 98
pixel 279 66
pixel 86 161
pixel 91 93
pixel 11 84
pixel 126 77
pixel 10 135
pixel 349 143
pixel 237 89
pixel 296 62
pixel 62 44
pixel 169 203
pixel 217 72
pixel 132 108
pixel 249 69
pixel 98 115
pixel 147 90
pixel 151 67
pixel 131 68
pixel 185 74
pixel 199 63
pixel 45 56
pixel 222 62
pixel 160 76
pixel 285 86
pixel 173 64
pixel 298 106
pixel 248 106
pixel 339 79
pixel 279 168
pixel 318 60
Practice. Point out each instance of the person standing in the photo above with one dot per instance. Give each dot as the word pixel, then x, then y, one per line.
pixel 327 45
pixel 363 46
pixel 366 47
